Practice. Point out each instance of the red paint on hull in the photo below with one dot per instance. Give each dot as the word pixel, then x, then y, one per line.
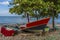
pixel 6 32
pixel 36 23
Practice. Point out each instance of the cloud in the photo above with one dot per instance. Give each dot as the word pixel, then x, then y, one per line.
pixel 6 13
pixel 4 3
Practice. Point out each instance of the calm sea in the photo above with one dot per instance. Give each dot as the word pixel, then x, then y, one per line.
pixel 20 20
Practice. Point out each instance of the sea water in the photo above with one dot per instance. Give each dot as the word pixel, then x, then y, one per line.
pixel 13 19
pixel 20 20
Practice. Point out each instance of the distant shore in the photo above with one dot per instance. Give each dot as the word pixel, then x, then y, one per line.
pixel 50 25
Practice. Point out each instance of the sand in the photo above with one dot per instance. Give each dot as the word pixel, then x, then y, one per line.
pixel 30 36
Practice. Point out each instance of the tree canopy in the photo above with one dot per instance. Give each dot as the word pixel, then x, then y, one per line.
pixel 26 6
pixel 44 8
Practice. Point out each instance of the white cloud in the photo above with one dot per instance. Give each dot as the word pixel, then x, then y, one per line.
pixel 4 3
pixel 6 13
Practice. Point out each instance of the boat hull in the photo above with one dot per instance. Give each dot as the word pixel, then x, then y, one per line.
pixel 37 25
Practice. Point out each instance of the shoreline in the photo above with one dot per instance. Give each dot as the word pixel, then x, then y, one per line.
pixel 58 24
pixel 12 24
pixel 50 25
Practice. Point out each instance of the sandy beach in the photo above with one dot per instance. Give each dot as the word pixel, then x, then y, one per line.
pixel 50 25
pixel 30 36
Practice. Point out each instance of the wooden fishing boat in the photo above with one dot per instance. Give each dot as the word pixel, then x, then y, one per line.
pixel 36 25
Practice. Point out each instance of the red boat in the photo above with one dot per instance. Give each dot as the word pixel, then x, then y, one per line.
pixel 36 25
pixel 7 31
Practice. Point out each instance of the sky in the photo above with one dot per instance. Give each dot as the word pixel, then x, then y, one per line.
pixel 4 8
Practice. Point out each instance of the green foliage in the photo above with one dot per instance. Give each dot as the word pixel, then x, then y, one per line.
pixel 45 8
pixel 53 9
pixel 26 6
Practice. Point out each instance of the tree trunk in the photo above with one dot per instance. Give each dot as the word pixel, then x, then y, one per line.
pixel 28 17
pixel 53 22
pixel 36 15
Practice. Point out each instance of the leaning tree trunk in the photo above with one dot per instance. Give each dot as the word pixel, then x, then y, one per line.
pixel 28 17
